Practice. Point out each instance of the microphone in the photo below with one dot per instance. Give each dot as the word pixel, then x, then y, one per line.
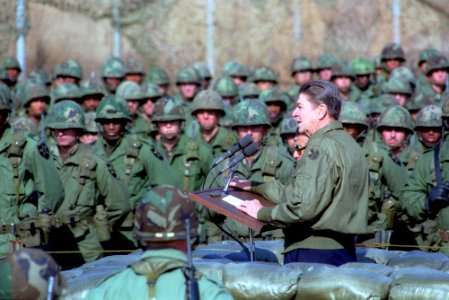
pixel 248 151
pixel 242 143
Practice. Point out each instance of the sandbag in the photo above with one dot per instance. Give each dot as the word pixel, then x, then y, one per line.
pixel 418 258
pixel 343 283
pixel 419 283
pixel 378 256
pixel 258 280
pixel 376 268
pixel 211 268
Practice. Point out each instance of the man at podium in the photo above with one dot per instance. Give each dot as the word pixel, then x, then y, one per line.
pixel 325 205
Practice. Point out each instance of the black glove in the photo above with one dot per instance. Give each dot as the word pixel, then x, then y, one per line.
pixel 438 197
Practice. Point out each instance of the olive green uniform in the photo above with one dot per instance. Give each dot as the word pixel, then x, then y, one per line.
pixel 221 141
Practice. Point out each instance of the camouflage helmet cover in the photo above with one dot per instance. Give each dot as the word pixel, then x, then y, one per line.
pixel 167 110
pixel 161 214
pixel 39 75
pixel 112 107
pixel 342 70
pixel 25 274
pixel 405 74
pixel 226 87
pixel 429 116
pixel 134 66
pixel 265 74
pixel 325 61
pixel 392 51
pixel 397 86
pixel 362 66
pixel 91 89
pixel 248 89
pixel 396 116
pixel 151 91
pixel 202 69
pixel 426 53
pixel 11 62
pixel 301 64
pixel 65 91
pixel 273 95
pixel 351 113
pixel 90 125
pixel 249 113
pixel 289 126
pixel 34 91
pixel 188 75
pixel 209 100
pixel 70 68
pixel 435 63
pixel 158 76
pixel 66 114
pixel 235 69
pixel 129 90
pixel 113 68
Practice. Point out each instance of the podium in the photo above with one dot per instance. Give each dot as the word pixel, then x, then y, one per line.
pixel 213 199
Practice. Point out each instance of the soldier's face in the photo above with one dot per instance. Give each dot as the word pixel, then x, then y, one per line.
pixel 238 80
pixel 362 81
pixel 394 137
pixel 37 107
pixel 343 83
pixel 257 132
pixel 148 108
pixel 354 130
pixel 13 74
pixel 302 77
pixel 392 64
pixel 89 138
pixel 208 119
pixel 401 98
pixel 295 142
pixel 265 85
pixel 112 129
pixel 90 104
pixel 133 106
pixel 430 136
pixel 188 90
pixel 438 77
pixel 274 111
pixel 306 115
pixel 325 74
pixel 137 78
pixel 169 129
pixel 66 79
pixel 163 88
pixel 112 83
pixel 65 138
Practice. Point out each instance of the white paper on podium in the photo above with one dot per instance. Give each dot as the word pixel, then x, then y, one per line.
pixel 233 200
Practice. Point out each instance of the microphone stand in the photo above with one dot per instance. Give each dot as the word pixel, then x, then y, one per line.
pixel 229 178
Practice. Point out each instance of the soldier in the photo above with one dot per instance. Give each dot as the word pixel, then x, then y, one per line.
pixel 238 72
pixel 208 109
pixel 363 69
pixel 406 75
pixel 265 78
pixel 400 89
pixel 392 57
pixel 354 121
pixel 189 82
pixel 162 273
pixel 112 73
pixel 31 274
pixel 29 185
pixel 90 96
pixel 424 55
pixel 135 161
pixel 302 71
pixel 90 188
pixel 294 141
pixel 227 90
pixel 90 132
pixel 143 125
pixel 343 77
pixel 36 99
pixel 134 96
pixel 204 72
pixel 13 70
pixel 69 71
pixel 134 71
pixel 65 91
pixel 248 91
pixel 429 126
pixel 437 72
pixel 276 106
pixel 324 65
pixel 159 77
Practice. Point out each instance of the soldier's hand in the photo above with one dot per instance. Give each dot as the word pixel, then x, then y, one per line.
pixel 438 197
pixel 242 184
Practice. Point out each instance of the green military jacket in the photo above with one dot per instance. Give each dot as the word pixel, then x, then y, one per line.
pixel 426 89
pixel 327 195
pixel 221 142
pixel 164 267
pixel 190 159
pixel 37 186
pixel 25 124
pixel 138 165
pixel 426 226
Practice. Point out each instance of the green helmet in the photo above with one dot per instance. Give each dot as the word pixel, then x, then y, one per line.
pixel 351 113
pixel 151 91
pixel 90 89
pixel 34 91
pixel 133 66
pixel 129 90
pixel 418 102
pixel 273 95
pixel 209 100
pixel 112 107
pixel 392 51
pixel 362 66
pixel 66 114
pixel 113 68
pixel 70 68
pixel 340 70
pixel 89 122
pixel 158 76
pixel 325 61
pixel 301 64
pixel 188 75
pixel 38 76
pixel 4 99
pixel 265 74
pixel 288 126
pixel 380 104
pixel 202 69
pixel 435 63
pixel 65 91
pixel 167 110
pixel 235 69
pixel 405 74
pixel 226 87
pixel 429 116
pixel 161 213
pixel 11 62
pixel 25 274
pixel 248 90
pixel 396 116
pixel 426 53
pixel 397 86
pixel 251 112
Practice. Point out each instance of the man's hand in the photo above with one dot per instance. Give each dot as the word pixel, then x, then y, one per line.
pixel 251 207
pixel 241 184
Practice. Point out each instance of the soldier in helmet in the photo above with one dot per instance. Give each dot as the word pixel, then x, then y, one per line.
pixel 112 73
pixel 343 77
pixel 161 272
pixel 227 90
pixel 276 105
pixel 36 99
pixel 136 163
pixel 302 71
pixel 249 91
pixel 65 91
pixel 134 71
pixel 437 72
pixel 324 65
pixel 265 78
pixel 237 71
pixel 90 132
pixel 90 96
pixel 363 69
pixel 293 140
pixel 69 71
pixel 13 70
pixel 143 125
pixel 159 77
pixel 400 89
pixel 424 55
pixel 189 83
pixel 208 109
pixel 134 96
pixel 204 72
pixel 90 187
pixel 392 57
pixel 29 184
pixel 354 121
pixel 429 126
pixel 31 274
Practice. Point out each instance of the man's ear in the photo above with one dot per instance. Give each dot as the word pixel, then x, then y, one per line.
pixel 322 111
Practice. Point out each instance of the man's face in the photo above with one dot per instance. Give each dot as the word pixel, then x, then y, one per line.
pixel 13 74
pixel 274 111
pixel 325 74
pixel 112 83
pixel 90 103
pixel 394 136
pixel 188 90
pixel 392 64
pixel 88 138
pixel 148 107
pixel 65 138
pixel 430 136
pixel 343 83
pixel 438 77
pixel 362 81
pixel 37 107
pixel 401 98
pixel 257 132
pixel 169 129
pixel 265 85
pixel 238 80
pixel 112 129
pixel 208 119
pixel 66 79
pixel 306 115
pixel 354 130
pixel 302 77
pixel 296 144
pixel 133 106
pixel 137 78
pixel 163 88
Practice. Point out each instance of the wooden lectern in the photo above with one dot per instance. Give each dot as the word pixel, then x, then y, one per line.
pixel 213 199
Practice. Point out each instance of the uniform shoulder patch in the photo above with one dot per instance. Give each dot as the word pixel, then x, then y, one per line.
pixel 313 153
pixel 43 150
